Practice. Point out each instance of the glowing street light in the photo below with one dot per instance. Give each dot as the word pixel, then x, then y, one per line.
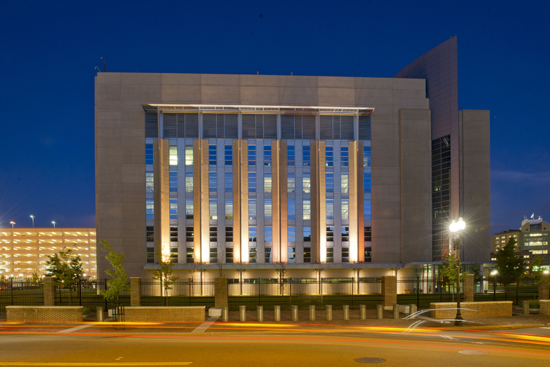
pixel 32 217
pixel 12 223
pixel 53 222
pixel 456 229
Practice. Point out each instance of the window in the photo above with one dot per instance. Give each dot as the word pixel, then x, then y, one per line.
pixel 307 254
pixel 366 183
pixel 188 181
pixel 366 156
pixel 307 183
pixel 368 254
pixel 213 183
pixel 252 255
pixel 252 233
pixel 344 183
pixel 329 156
pixel 344 156
pixel 268 234
pixel 368 234
pixel 149 154
pixel 307 234
pixel 228 182
pixel 252 183
pixel 251 210
pixel 173 152
pixel 267 155
pixel 190 255
pixel 212 151
pixel 251 155
pixel 345 209
pixel 229 255
pixel 291 155
pixel 330 182
pixel 267 182
pixel 173 208
pixel 228 155
pixel 345 254
pixel 291 255
pixel 150 209
pixel 291 182
pixel 345 234
pixel 268 209
pixel 150 255
pixel 291 209
pixel 174 255
pixel 291 234
pixel 150 234
pixel 228 209
pixel 214 234
pixel 330 254
pixel 149 182
pixel 173 182
pixel 330 234
pixel 367 210
pixel 228 234
pixel 189 234
pixel 307 156
pixel 268 258
pixel 189 209
pixel 213 209
pixel 188 155
pixel 307 210
pixel 330 209
pixel 213 255
pixel 173 234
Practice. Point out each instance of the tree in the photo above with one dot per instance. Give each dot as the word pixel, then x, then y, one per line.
pixel 283 273
pixel 478 276
pixel 510 267
pixel 449 272
pixel 164 272
pixel 535 269
pixel 65 267
pixel 35 277
pixel 119 279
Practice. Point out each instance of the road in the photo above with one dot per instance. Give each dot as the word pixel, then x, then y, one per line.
pixel 249 345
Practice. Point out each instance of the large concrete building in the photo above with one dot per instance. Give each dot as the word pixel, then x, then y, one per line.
pixel 246 172
pixel 531 237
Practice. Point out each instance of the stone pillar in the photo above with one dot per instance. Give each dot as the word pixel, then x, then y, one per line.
pixel 389 290
pixel 220 292
pixel 49 291
pixel 469 288
pixel 544 287
pixel 135 292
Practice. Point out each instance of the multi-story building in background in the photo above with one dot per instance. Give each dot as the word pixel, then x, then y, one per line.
pixel 531 237
pixel 352 176
pixel 24 251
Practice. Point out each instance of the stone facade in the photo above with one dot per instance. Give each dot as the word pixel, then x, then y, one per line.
pixel 469 288
pixel 135 292
pixel 544 288
pixel 470 310
pixel 545 307
pixel 389 290
pixel 220 292
pixel 49 292
pixel 165 314
pixel 44 314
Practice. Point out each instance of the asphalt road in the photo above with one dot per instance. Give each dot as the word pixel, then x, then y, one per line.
pixel 300 347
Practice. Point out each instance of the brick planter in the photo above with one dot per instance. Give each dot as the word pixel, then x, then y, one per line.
pixel 165 314
pixel 469 310
pixel 545 307
pixel 52 314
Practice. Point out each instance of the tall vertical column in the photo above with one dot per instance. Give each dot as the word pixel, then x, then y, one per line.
pixel 279 195
pixel 162 196
pixel 240 201
pixel 201 215
pixel 356 240
pixel 318 203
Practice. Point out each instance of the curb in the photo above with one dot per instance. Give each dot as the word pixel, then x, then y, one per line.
pixel 500 327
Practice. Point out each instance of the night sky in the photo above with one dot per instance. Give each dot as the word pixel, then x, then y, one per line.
pixel 49 51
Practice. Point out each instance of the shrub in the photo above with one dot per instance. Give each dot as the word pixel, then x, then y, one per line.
pixel 534 303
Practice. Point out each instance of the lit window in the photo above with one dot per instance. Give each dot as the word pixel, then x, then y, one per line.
pixel 345 209
pixel 229 209
pixel 268 209
pixel 291 182
pixel 267 182
pixel 188 181
pixel 252 255
pixel 292 209
pixel 188 155
pixel 213 205
pixel 307 210
pixel 189 209
pixel 149 182
pixel 344 183
pixel 173 155
pixel 173 208
pixel 330 209
pixel 307 183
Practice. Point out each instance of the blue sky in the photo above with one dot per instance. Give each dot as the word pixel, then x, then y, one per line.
pixel 49 51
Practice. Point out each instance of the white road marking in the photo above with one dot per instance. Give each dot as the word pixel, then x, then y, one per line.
pixel 75 328
pixel 205 325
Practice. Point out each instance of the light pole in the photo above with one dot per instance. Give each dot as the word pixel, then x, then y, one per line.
pixel 12 223
pixel 32 217
pixel 456 229
pixel 53 222
pixel 494 274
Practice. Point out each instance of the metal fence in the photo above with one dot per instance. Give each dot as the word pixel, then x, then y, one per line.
pixel 20 292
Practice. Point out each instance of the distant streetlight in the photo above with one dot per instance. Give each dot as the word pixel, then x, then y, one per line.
pixel 32 217
pixel 12 223
pixel 456 229
pixel 53 222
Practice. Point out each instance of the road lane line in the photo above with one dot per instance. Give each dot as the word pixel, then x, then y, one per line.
pixel 205 325
pixel 75 328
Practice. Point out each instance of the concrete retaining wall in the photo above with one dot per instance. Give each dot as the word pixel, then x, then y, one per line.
pixel 447 310
pixel 44 313
pixel 165 314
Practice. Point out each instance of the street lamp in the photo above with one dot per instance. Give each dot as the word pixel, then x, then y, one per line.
pixel 494 273
pixel 53 222
pixel 456 229
pixel 32 217
pixel 12 223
